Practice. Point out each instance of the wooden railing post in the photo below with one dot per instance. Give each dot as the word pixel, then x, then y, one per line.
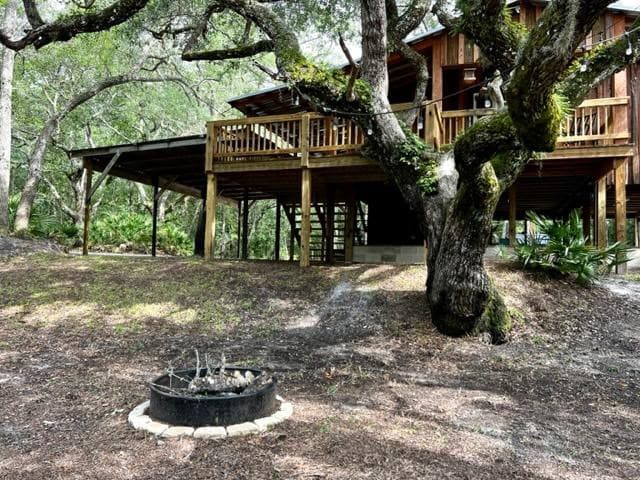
pixel 304 140
pixel 212 146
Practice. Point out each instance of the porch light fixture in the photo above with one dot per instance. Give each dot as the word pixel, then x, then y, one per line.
pixel 469 75
pixel 487 102
pixel 295 101
pixel 629 50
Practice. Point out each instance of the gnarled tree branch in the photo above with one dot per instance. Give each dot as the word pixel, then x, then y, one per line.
pixel 67 27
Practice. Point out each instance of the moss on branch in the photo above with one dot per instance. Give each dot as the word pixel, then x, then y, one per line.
pixel 495 320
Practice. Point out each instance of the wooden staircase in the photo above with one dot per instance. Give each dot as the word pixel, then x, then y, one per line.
pixel 328 229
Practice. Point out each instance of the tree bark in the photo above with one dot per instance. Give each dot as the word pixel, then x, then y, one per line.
pixel 7 57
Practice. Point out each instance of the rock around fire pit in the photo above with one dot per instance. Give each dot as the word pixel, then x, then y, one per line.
pixel 211 403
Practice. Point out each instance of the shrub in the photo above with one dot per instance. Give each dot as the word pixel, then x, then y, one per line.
pixel 133 229
pixel 561 246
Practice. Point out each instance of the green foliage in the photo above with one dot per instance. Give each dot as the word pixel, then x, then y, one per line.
pixel 133 229
pixel 415 153
pixel 567 250
pixel 173 240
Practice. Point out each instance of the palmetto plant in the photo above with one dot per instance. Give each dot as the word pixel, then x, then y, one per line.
pixel 561 246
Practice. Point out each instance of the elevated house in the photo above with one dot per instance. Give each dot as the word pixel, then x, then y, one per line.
pixel 343 208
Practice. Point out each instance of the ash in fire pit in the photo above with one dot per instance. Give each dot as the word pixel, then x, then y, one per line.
pixel 212 395
pixel 223 381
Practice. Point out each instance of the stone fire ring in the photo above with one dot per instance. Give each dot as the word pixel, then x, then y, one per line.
pixel 139 420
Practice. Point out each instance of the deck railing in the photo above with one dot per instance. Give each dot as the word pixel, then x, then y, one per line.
pixel 597 121
pixel 601 120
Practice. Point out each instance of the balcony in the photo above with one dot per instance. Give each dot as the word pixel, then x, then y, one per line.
pixel 315 140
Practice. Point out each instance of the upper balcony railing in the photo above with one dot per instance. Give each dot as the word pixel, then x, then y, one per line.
pixel 595 122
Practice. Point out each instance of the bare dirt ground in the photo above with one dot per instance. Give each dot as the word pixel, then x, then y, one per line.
pixel 378 393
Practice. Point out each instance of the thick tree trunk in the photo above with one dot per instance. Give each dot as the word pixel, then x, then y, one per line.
pixel 461 296
pixel 7 57
pixel 34 174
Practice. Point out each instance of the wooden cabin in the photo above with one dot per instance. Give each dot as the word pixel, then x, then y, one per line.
pixel 343 208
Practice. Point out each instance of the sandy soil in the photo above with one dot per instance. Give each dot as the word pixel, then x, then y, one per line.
pixel 378 393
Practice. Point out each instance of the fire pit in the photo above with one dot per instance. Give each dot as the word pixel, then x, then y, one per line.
pixel 211 402
pixel 220 405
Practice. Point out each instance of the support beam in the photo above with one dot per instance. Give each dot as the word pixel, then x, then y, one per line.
pixel 239 229
pixel 512 216
pixel 601 212
pixel 104 173
pixel 210 216
pixel 349 227
pixel 278 220
pixel 87 207
pixel 291 216
pixel 586 220
pixel 154 218
pixel 331 225
pixel 305 229
pixel 636 229
pixel 245 225
pixel 621 205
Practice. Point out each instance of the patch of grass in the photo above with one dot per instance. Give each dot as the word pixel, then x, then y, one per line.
pixel 332 390
pixel 130 328
pixel 634 277
pixel 267 329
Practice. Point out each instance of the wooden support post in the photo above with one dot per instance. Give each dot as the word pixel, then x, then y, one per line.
pixel 601 212
pixel 88 167
pixel 636 230
pixel 305 228
pixel 276 255
pixel 512 216
pixel 621 205
pixel 210 216
pixel 586 220
pixel 239 229
pixel 245 225
pixel 349 227
pixel 330 230
pixel 292 232
pixel 154 218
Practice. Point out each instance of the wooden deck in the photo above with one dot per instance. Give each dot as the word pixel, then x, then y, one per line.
pixel 598 128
